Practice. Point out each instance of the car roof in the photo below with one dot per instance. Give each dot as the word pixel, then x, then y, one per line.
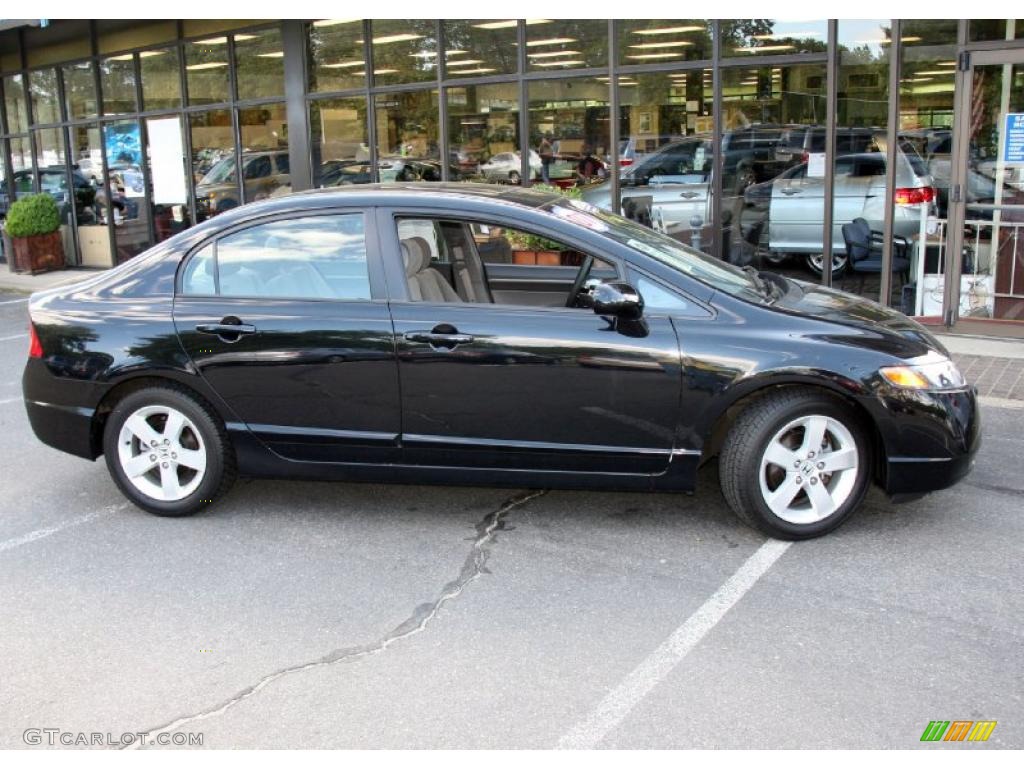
pixel 401 193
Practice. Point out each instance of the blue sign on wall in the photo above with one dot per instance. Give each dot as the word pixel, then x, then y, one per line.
pixel 1013 139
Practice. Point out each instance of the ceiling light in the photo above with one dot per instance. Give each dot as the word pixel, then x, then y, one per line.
pixel 785 35
pixel 454 53
pixel 652 55
pixel 147 54
pixel 121 57
pixel 222 40
pixel 333 22
pixel 549 54
pixel 570 63
pixel 550 41
pixel 945 63
pixel 341 64
pixel 271 55
pixel 666 44
pixel 403 37
pixel 207 65
pixel 762 48
pixel 667 30
pixel 464 63
pixel 384 71
pixel 936 72
pixel 477 71
pixel 497 24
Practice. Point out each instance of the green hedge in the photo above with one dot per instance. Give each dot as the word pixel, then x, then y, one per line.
pixel 33 215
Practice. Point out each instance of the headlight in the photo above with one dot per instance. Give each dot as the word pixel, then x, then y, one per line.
pixel 931 372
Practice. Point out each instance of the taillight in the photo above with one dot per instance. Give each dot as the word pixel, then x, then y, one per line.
pixel 914 195
pixel 805 157
pixel 35 349
pixel 624 161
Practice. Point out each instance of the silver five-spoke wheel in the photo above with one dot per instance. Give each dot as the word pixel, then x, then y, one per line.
pixel 809 469
pixel 162 453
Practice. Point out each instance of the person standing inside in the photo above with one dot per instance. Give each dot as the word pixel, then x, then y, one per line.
pixel 547 156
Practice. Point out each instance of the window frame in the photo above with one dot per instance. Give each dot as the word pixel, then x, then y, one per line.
pixel 374 267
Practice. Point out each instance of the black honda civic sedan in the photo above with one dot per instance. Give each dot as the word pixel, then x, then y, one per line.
pixel 485 335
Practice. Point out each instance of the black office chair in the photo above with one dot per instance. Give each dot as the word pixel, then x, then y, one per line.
pixel 864 252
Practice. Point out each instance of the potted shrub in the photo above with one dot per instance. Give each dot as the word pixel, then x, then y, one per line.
pixel 33 224
pixel 532 249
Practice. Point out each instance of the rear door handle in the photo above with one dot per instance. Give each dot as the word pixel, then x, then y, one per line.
pixel 790 191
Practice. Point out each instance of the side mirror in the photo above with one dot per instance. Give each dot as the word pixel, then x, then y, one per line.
pixel 619 300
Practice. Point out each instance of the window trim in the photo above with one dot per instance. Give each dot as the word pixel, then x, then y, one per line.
pixel 378 293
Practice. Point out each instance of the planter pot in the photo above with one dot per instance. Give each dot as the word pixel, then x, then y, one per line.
pixel 549 258
pixel 524 257
pixel 38 253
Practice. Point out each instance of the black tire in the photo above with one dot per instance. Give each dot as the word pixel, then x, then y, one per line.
pixel 839 263
pixel 514 178
pixel 749 438
pixel 220 468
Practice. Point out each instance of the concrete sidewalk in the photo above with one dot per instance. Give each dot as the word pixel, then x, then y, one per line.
pixel 23 282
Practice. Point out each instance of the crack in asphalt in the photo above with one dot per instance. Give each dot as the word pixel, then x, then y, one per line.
pixel 474 566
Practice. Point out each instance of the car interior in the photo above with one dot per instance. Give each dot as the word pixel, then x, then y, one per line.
pixel 458 261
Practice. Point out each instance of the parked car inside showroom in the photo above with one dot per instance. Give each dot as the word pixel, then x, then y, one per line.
pixel 363 333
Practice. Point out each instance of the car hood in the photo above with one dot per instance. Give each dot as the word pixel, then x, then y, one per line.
pixel 856 312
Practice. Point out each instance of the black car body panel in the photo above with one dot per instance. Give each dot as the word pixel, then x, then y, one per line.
pixel 558 397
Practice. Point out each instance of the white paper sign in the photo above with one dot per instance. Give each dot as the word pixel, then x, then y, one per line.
pixel 166 165
pixel 816 165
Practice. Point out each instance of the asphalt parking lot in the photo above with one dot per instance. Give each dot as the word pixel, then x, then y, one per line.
pixel 371 616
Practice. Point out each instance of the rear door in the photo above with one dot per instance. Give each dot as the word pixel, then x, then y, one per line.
pixel 286 320
pixel 514 384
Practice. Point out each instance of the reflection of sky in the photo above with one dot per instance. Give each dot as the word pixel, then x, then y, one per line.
pixel 856 33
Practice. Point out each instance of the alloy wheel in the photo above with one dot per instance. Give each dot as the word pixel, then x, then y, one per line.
pixel 809 469
pixel 816 263
pixel 162 453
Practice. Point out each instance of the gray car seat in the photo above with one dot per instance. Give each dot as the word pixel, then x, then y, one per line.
pixel 425 283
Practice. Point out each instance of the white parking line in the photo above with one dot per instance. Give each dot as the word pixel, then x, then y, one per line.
pixel 1000 402
pixel 637 684
pixel 15 336
pixel 13 301
pixel 42 533
pixel 11 400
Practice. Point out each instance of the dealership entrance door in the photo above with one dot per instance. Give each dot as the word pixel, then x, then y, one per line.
pixel 987 199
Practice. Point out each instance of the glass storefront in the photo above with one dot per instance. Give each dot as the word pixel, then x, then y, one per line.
pixel 715 132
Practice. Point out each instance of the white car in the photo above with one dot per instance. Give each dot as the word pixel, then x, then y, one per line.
pixel 507 167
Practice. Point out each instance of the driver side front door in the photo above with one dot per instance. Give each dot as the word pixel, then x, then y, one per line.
pixel 521 386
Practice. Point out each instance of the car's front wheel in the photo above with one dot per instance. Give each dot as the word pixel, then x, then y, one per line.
pixel 795 464
pixel 167 451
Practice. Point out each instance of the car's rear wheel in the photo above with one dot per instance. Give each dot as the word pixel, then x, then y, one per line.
pixel 514 177
pixel 167 451
pixel 795 464
pixel 816 263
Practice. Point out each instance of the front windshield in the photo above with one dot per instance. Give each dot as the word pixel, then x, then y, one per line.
pixel 222 171
pixel 700 266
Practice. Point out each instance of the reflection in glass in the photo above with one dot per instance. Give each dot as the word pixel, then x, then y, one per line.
pixel 475 47
pixel 122 142
pixel 407 136
pixel 265 167
pixel 206 68
pixel 94 246
pixel 744 37
pixel 992 282
pixel 213 163
pixel 665 154
pixel 42 86
pixel 259 63
pixel 161 81
pixel 563 44
pixel 117 83
pixel 341 155
pixel 53 178
pixel 336 60
pixel 79 90
pixel 165 154
pixel 656 41
pixel 483 130
pixel 404 51
pixel 14 101
pixel 995 29
pixel 571 116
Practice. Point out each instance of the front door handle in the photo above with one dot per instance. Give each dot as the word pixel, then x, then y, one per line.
pixel 219 329
pixel 790 191
pixel 438 338
pixel 689 195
